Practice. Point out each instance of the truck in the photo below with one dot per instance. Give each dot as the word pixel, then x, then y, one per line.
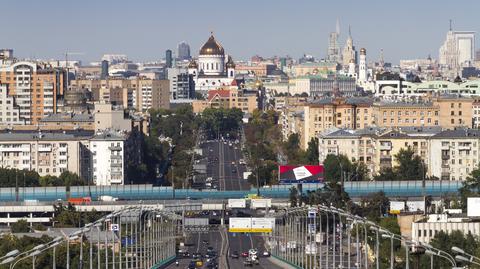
pixel 107 198
pixel 79 200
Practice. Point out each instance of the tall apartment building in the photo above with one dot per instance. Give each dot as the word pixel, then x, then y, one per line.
pixel 35 87
pixel 46 153
pixel 9 110
pixel 140 94
pixel 447 154
pixel 319 115
pixel 98 157
pixel 108 162
pixel 181 84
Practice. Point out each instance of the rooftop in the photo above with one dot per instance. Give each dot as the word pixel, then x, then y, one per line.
pixel 67 117
pixel 6 135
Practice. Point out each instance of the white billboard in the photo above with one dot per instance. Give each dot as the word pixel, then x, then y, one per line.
pixel 237 203
pixel 262 225
pixel 261 203
pixel 396 207
pixel 251 225
pixel 240 225
pixel 473 207
pixel 414 206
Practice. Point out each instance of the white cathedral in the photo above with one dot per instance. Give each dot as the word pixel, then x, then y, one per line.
pixel 212 71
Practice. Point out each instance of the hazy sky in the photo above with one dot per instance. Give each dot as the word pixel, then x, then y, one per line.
pixel 145 29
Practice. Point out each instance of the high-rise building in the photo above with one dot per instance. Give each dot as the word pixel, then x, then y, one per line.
pixel 104 73
pixel 458 49
pixel 349 52
pixel 333 53
pixel 35 88
pixel 168 58
pixel 181 84
pixel 183 51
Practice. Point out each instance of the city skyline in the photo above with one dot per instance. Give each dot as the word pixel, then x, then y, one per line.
pixel 292 29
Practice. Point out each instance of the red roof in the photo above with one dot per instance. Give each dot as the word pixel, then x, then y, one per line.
pixel 234 83
pixel 221 93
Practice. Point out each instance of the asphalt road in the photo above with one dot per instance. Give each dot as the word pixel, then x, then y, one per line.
pixel 223 165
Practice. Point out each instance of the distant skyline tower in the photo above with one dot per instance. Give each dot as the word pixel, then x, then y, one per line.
pixel 333 53
pixel 458 49
pixel 349 52
pixel 104 73
pixel 362 66
pixel 183 51
pixel 168 58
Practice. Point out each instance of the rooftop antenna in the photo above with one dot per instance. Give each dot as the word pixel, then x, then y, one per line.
pixel 450 24
pixel 349 32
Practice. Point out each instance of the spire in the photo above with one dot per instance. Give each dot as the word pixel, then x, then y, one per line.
pixel 450 25
pixel 338 27
pixel 349 32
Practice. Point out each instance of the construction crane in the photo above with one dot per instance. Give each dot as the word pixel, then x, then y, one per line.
pixel 67 53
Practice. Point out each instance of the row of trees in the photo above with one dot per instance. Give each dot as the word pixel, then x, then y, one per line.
pixel 29 178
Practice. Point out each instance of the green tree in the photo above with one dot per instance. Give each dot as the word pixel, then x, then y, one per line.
pixel 21 226
pixel 470 187
pixel 312 153
pixel 374 206
pixel 335 165
pixel 293 197
pixel 410 166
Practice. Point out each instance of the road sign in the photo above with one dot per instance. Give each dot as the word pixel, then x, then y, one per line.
pixel 251 225
pixel 260 203
pixel 312 213
pixel 114 227
pixel 237 203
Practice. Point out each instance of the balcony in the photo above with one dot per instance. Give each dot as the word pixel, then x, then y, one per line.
pixel 445 156
pixel 386 146
pixel 115 148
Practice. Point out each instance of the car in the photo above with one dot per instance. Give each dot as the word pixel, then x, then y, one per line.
pixel 196 256
pixel 248 262
pixel 233 162
pixel 209 249
pixel 266 254
pixel 253 251
pixel 245 254
pixel 185 254
pixel 234 255
pixel 234 170
pixel 192 265
pixel 242 162
pixel 205 242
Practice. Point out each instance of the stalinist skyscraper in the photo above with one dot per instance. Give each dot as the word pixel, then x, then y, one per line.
pixel 349 52
pixel 333 53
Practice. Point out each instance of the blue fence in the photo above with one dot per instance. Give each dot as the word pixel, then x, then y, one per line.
pixel 150 192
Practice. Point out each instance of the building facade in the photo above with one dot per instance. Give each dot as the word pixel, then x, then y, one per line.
pixel 35 87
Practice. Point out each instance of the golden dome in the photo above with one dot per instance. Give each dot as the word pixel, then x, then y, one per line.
pixel 230 63
pixel 211 47
pixel 363 51
pixel 352 61
pixel 193 64
pixel 258 83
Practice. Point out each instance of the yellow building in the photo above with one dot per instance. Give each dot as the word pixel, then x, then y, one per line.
pixel 227 98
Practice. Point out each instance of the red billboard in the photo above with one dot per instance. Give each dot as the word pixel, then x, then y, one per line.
pixel 289 174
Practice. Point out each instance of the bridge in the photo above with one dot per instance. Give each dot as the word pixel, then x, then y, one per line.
pixel 302 237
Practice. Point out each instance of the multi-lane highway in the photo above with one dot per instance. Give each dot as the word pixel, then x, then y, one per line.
pixel 225 168
pixel 230 174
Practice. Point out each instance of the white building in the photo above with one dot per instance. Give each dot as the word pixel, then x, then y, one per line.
pixel 9 110
pixel 458 49
pixel 212 71
pixel 108 162
pixel 424 231
pixel 362 66
pixel 454 153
